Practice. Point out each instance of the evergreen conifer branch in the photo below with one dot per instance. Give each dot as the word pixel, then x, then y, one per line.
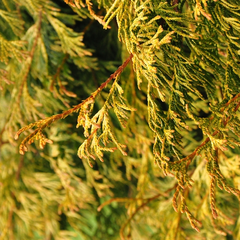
pixel 79 4
pixel 16 112
pixel 212 198
pixel 101 121
pixel 41 124
pixel 196 151
pixel 185 63
pixel 10 49
pixel 13 21
pixel 4 77
pixel 56 80
pixel 30 58
pixel 147 201
pixel 135 212
pixel 56 75
pixel 214 171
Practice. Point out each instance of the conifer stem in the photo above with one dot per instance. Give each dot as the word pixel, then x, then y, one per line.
pixel 148 200
pixel 89 99
pixel 20 165
pixel 24 78
pixel 135 212
pixel 41 124
pixel 58 71
pixel 30 58
pixel 194 153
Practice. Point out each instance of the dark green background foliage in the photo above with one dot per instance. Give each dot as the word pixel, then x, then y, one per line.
pixel 155 154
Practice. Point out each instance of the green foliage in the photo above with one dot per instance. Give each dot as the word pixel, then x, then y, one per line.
pixel 164 123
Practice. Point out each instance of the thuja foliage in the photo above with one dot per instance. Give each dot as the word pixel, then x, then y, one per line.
pixel 153 88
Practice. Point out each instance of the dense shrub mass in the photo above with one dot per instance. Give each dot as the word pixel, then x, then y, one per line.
pixel 119 119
